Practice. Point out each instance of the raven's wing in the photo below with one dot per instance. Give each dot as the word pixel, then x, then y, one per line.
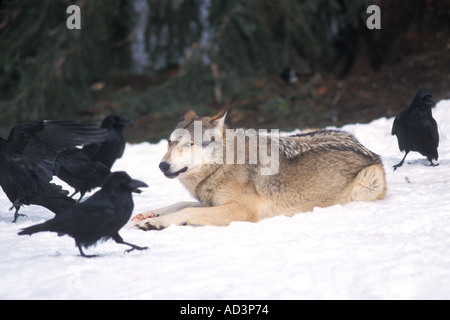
pixel 434 133
pixel 78 164
pixel 92 150
pixel 53 197
pixel 76 168
pixel 96 216
pixel 86 223
pixel 110 150
pixel 85 218
pixel 395 125
pixel 36 144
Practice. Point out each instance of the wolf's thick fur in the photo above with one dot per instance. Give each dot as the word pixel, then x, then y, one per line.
pixel 315 169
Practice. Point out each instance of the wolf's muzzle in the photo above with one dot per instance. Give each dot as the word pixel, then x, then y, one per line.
pixel 165 168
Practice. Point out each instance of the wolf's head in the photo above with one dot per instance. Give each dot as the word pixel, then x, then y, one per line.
pixel 195 141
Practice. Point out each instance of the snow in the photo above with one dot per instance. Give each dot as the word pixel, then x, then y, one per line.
pixel 396 248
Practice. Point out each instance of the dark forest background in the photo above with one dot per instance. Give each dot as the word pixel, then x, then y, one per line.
pixel 152 60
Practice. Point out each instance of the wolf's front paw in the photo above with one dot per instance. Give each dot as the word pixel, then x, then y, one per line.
pixel 160 223
pixel 137 219
pixel 151 224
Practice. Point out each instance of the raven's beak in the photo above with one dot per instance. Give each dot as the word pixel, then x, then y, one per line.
pixel 428 101
pixel 134 186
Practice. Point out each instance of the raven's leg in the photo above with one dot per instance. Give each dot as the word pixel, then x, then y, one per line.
pixel 17 214
pixel 73 194
pixel 401 162
pixel 81 196
pixel 117 238
pixel 83 254
pixel 432 164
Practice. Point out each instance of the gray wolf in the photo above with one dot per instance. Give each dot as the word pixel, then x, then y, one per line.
pixel 316 168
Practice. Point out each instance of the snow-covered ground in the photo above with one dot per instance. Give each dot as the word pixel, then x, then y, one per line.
pixel 396 248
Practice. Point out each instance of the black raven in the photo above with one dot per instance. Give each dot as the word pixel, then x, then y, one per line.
pixel 87 168
pixel 289 75
pixel 98 218
pixel 108 151
pixel 416 130
pixel 28 161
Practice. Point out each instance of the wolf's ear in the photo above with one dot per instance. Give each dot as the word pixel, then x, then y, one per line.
pixel 189 115
pixel 219 119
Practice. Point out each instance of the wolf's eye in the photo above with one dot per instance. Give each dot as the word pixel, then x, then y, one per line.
pixel 189 144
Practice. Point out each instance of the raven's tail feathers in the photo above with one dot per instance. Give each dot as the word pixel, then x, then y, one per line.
pixel 34 229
